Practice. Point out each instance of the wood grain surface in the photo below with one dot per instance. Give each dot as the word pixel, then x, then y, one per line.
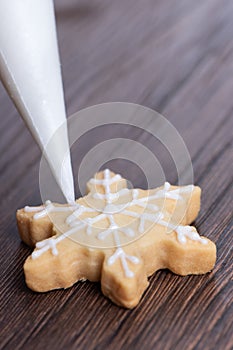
pixel 175 56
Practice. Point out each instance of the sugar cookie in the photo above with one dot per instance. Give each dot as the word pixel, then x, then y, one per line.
pixel 115 235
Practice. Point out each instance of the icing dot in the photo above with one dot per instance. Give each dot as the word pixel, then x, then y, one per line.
pixel 167 186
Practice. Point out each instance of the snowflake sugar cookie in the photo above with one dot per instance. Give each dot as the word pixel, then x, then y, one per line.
pixel 115 235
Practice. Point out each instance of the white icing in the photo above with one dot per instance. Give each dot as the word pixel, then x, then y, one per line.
pixel 49 207
pixel 52 242
pixel 112 196
pixel 28 209
pixel 73 218
pixel 184 232
pixel 143 217
pixel 120 254
pixel 114 230
pixel 106 183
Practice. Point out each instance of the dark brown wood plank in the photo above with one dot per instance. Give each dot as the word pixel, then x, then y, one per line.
pixel 175 57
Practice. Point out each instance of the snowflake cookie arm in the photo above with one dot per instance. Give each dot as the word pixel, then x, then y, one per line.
pixel 35 223
pixel 157 250
pixel 96 184
pixel 30 230
pixel 71 264
pixel 185 209
pixel 115 284
pixel 194 257
pixel 162 250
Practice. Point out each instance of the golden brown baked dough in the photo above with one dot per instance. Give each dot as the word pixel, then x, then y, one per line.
pixel 116 236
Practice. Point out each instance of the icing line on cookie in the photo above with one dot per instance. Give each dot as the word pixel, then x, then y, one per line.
pixel 48 207
pixel 184 232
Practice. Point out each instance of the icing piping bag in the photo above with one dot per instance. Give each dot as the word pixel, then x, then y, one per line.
pixel 30 72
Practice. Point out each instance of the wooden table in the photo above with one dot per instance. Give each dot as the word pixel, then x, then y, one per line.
pixel 175 56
